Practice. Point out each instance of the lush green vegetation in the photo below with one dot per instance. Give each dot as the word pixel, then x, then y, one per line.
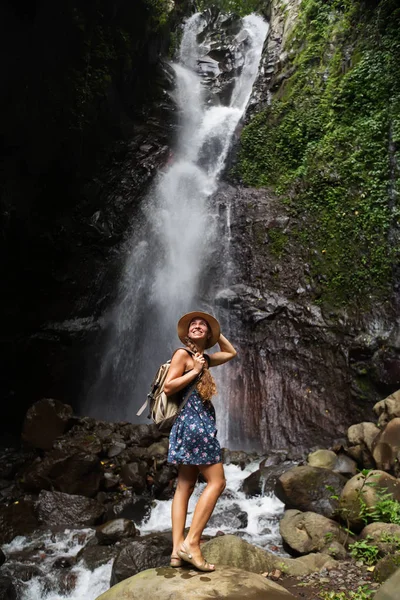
pixel 362 593
pixel 240 7
pixel 329 143
pixel 365 551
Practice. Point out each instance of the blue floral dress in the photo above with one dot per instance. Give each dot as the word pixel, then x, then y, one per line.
pixel 193 437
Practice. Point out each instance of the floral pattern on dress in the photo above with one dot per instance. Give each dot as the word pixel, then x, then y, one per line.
pixel 193 437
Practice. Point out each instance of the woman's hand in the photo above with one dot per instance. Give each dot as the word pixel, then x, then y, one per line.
pixel 199 362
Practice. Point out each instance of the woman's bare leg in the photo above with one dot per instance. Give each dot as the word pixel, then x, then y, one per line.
pixel 187 477
pixel 215 478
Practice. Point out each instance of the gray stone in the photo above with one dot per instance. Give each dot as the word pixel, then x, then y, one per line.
pixel 309 488
pixel 309 532
pixel 390 589
pixel 181 584
pixel 144 553
pixel 363 433
pixel 325 459
pixel 114 531
pixel 56 508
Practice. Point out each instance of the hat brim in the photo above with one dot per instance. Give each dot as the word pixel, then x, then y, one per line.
pixel 184 322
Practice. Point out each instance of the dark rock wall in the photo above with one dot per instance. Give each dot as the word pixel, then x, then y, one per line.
pixel 302 375
pixel 86 119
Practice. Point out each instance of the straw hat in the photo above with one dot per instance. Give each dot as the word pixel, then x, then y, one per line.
pixel 184 322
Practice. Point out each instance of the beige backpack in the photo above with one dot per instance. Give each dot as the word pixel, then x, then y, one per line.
pixel 164 409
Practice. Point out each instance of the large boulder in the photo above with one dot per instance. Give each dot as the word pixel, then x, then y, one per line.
pixel 77 473
pixel 388 409
pixel 95 556
pixel 361 494
pixel 263 480
pixel 309 532
pixel 236 457
pixel 56 508
pixel 235 552
pixel 231 518
pixel 390 589
pixel 346 465
pixel 386 536
pixel 180 584
pixel 44 422
pixel 305 565
pixel 18 518
pixel 386 567
pixel 114 531
pixel 326 459
pixel 312 489
pixel 362 434
pixel 386 447
pixel 144 553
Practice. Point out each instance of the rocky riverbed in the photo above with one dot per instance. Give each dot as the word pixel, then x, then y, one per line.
pixel 85 501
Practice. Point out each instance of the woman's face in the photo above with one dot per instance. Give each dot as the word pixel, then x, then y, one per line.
pixel 198 330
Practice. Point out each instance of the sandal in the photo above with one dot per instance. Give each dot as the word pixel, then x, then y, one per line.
pixel 202 566
pixel 175 561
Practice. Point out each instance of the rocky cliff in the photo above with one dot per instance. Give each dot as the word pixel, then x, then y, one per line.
pixel 314 295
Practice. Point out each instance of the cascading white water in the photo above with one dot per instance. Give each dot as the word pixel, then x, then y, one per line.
pixel 166 269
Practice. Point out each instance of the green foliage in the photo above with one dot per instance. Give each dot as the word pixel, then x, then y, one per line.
pixel 362 593
pixel 328 141
pixel 159 11
pixel 277 241
pixel 386 510
pixel 365 551
pixel 240 7
pixel 392 539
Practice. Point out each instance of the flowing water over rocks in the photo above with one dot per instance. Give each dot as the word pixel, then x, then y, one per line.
pixel 167 270
pixel 71 563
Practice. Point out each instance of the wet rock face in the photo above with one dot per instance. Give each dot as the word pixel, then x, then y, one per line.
pixel 56 508
pixel 223 45
pixel 297 381
pixel 146 553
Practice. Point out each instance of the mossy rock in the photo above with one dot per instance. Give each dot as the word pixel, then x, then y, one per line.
pixel 386 567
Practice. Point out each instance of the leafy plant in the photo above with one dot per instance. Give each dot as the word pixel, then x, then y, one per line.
pixel 390 538
pixel 362 593
pixel 365 551
pixel 386 510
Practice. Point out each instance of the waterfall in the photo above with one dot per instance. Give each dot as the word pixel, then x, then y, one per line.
pixel 167 270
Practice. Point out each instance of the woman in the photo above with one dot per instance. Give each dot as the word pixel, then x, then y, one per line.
pixel 193 444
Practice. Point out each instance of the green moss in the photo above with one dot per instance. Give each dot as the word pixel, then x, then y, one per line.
pixel 325 142
pixel 277 242
pixel 240 7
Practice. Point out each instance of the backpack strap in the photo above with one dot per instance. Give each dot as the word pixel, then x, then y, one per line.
pixel 147 401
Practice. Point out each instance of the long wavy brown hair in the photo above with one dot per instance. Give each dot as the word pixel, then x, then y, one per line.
pixel 206 383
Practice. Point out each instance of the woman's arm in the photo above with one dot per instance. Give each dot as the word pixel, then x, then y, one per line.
pixel 177 379
pixel 227 352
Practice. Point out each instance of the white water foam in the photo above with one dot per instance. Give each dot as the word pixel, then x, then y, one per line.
pixel 263 512
pixel 166 269
pixel 41 550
